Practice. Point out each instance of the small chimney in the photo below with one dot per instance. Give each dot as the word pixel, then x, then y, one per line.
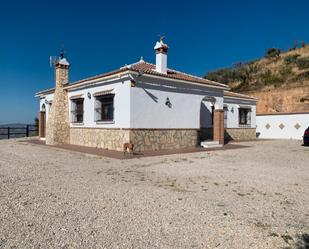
pixel 161 56
pixel 58 124
pixel 62 71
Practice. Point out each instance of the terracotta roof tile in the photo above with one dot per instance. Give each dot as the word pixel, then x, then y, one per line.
pixel 149 68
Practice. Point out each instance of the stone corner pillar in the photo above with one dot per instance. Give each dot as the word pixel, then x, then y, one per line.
pixel 218 126
pixel 58 126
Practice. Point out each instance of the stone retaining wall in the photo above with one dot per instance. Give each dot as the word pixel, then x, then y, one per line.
pixel 112 139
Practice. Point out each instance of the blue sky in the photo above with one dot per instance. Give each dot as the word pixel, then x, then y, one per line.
pixel 104 35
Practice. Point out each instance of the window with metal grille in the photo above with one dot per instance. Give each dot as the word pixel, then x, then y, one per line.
pixel 225 109
pixel 104 108
pixel 77 110
pixel 244 116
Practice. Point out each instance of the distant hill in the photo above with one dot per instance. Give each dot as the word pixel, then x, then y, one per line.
pixel 17 125
pixel 280 80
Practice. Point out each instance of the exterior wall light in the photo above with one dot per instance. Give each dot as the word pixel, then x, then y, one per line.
pixel 168 103
pixel 89 95
pixel 133 83
pixel 232 109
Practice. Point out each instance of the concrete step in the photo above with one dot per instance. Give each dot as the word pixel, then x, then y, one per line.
pixel 211 144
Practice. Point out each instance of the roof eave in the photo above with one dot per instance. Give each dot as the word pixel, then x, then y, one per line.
pixel 244 98
pixel 186 81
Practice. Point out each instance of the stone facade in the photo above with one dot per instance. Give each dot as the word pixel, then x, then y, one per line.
pixel 57 127
pixel 236 134
pixel 240 134
pixel 143 139
pixel 161 139
pixel 112 139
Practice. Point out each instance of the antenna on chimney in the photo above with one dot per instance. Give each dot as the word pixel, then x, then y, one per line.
pixel 62 53
pixel 161 37
pixel 53 60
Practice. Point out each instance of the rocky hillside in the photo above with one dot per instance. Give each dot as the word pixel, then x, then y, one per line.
pixel 280 80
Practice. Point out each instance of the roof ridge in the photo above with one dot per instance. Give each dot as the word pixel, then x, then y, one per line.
pixel 197 77
pixel 135 63
pixel 180 72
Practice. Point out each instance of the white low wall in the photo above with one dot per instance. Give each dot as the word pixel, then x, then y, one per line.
pixel 282 125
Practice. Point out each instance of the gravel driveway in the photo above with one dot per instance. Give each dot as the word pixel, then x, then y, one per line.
pixel 255 197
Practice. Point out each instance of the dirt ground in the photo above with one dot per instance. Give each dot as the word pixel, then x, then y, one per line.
pixel 254 197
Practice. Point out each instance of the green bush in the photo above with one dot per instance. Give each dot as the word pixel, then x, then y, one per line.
pixel 268 78
pixel 291 59
pixel 240 72
pixel 302 76
pixel 222 75
pixel 272 53
pixel 285 72
pixel 303 63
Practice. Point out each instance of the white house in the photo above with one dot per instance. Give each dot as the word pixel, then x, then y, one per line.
pixel 150 105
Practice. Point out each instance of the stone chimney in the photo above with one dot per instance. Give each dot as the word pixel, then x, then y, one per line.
pixel 161 56
pixel 58 126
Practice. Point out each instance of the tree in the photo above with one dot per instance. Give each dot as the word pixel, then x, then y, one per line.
pixel 272 53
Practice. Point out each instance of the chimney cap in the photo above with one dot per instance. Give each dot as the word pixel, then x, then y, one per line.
pixel 64 62
pixel 141 59
pixel 160 45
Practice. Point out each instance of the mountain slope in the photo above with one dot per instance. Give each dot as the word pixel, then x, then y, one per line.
pixel 279 80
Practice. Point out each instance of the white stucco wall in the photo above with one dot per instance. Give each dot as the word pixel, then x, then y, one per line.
pixel 144 106
pixel 233 105
pixel 148 108
pixel 121 89
pixel 46 100
pixel 288 120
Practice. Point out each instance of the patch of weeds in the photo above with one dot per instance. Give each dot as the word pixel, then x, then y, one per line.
pixel 287 238
pixel 272 234
pixel 302 241
pixel 303 63
pixel 112 172
pixel 291 59
pixel 221 205
pixel 286 202
pixel 302 76
pixel 268 78
pixel 262 225
pixel 2 243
